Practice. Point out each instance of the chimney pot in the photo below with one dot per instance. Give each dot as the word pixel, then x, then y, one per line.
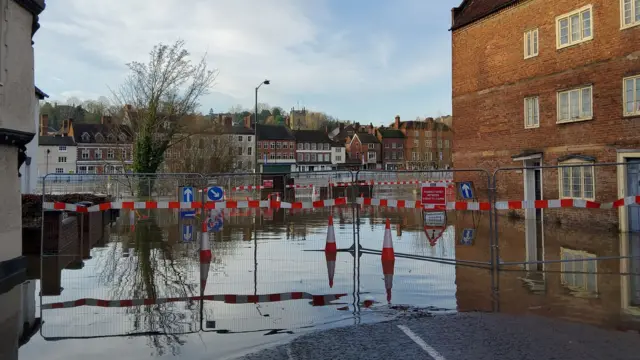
pixel 397 123
pixel 44 124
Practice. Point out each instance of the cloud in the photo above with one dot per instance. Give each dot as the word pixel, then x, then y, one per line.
pixel 299 45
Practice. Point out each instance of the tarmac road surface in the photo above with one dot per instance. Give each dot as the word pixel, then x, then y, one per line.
pixel 473 336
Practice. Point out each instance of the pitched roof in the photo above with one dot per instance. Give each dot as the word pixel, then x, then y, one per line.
pixel 273 132
pixel 312 136
pixel 387 133
pixel 367 138
pixel 56 141
pixel 239 130
pixel 471 11
pixel 94 129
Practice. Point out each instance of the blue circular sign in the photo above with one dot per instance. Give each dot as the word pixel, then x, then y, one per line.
pixel 215 193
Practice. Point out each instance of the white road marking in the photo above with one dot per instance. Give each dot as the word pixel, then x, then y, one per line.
pixel 429 350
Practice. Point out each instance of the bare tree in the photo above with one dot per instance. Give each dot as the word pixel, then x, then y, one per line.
pixel 160 96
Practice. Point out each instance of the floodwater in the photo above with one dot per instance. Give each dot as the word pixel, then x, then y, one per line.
pixel 280 251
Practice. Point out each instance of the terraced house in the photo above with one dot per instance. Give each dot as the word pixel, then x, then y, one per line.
pixel 554 83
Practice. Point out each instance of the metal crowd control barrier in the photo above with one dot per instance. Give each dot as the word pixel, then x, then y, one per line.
pixel 133 217
pixel 580 229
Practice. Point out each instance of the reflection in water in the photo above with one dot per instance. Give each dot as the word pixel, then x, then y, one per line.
pixel 282 251
pixel 554 274
pixel 265 253
pixel 152 269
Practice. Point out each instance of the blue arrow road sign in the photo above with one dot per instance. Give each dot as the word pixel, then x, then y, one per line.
pixel 466 190
pixel 187 196
pixel 187 233
pixel 215 193
pixel 467 236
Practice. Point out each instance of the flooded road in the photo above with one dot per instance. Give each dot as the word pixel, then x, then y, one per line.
pixel 280 251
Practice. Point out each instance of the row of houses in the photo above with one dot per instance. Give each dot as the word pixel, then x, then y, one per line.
pixel 107 147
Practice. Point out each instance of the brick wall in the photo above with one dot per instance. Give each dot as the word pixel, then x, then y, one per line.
pixel 289 151
pixel 491 78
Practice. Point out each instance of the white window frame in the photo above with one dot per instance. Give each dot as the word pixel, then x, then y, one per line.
pixel 97 154
pixel 85 137
pixel 571 166
pixel 574 272
pixel 111 154
pixel 62 148
pixel 567 17
pixel 531 43
pixel 636 95
pixel 62 159
pixel 635 16
pixel 84 155
pixel 59 171
pixel 532 110
pixel 580 117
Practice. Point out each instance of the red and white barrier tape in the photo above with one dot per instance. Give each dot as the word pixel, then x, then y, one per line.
pixel 502 205
pixel 230 204
pixel 409 182
pixel 317 300
pixel 300 186
pixel 248 187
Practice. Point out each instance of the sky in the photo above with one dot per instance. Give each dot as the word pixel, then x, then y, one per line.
pixel 359 60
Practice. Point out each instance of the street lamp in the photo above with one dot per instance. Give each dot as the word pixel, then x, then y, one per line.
pixel 257 167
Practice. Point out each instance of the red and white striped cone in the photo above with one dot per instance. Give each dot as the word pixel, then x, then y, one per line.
pixel 331 237
pixel 132 220
pixel 388 260
pixel 331 265
pixel 387 270
pixel 331 251
pixel 205 256
pixel 387 244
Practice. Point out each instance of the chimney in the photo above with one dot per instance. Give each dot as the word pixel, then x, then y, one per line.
pixel 247 121
pixel 326 129
pixel 44 125
pixel 228 123
pixel 106 120
pixel 372 130
pixel 397 123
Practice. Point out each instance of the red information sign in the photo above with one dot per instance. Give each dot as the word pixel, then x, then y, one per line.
pixel 434 195
pixel 268 184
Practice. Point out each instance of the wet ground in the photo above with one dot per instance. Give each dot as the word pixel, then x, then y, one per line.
pixel 277 252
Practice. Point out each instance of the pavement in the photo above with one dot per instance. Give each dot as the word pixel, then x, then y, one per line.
pixel 473 336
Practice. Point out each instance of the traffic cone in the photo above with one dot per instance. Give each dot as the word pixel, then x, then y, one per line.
pixel 132 220
pixel 387 244
pixel 331 265
pixel 331 238
pixel 205 256
pixel 387 270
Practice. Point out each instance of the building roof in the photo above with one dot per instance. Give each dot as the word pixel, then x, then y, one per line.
pixel 471 11
pixel 391 133
pixel 367 138
pixel 338 144
pixel 56 141
pixel 419 124
pixel 94 129
pixel 239 130
pixel 273 132
pixel 312 136
pixel 41 94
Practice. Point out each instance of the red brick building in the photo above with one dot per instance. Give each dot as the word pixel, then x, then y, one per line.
pixel 366 148
pixel 276 149
pixel 550 83
pixel 427 143
pixel 392 141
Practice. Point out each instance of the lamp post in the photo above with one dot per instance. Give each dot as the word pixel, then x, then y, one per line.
pixel 257 166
